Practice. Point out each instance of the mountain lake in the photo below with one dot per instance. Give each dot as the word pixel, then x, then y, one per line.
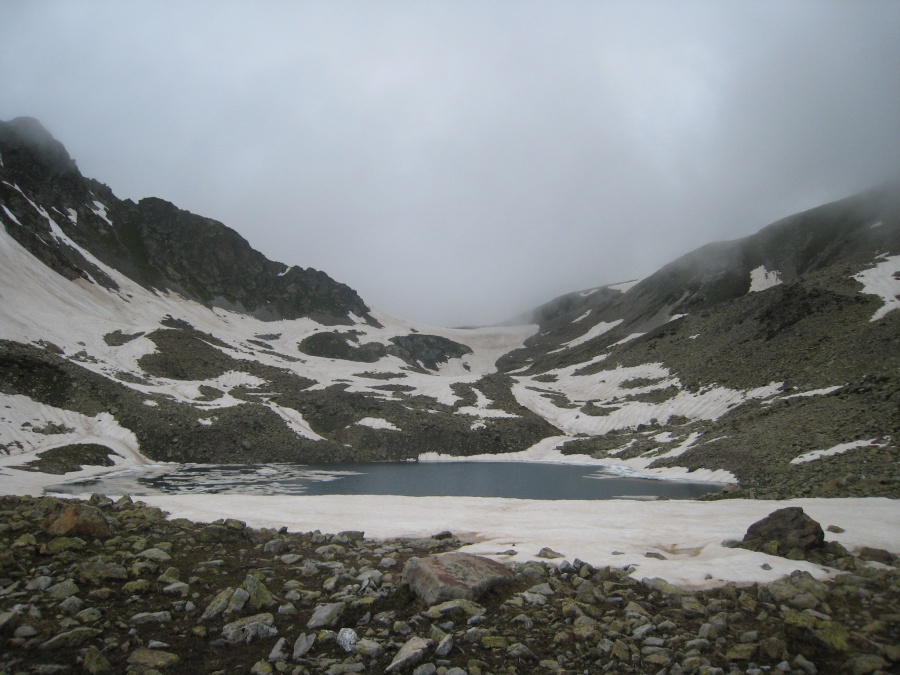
pixel 515 480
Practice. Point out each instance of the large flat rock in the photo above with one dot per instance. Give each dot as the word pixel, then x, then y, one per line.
pixel 453 575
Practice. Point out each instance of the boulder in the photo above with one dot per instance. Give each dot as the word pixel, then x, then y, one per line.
pixel 77 519
pixel 453 575
pixel 783 531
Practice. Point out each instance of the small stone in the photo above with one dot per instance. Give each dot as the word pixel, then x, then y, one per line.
pixel 520 651
pixel 152 659
pixel 250 628
pixel 278 652
pixel 237 601
pixel 346 638
pixel 410 654
pixel 326 615
pixel 805 664
pixel 741 652
pixel 867 663
pixel 302 645
pixel 94 661
pixel 548 553
pixel 63 590
pixel 155 554
pixel 368 648
pixel 444 646
pixel 151 617
pixel 72 638
pixel 218 604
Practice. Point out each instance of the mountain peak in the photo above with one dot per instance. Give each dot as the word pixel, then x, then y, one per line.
pixel 26 138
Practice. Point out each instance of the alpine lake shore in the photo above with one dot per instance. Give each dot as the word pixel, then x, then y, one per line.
pixel 115 586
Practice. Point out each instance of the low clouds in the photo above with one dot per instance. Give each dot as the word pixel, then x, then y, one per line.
pixel 462 162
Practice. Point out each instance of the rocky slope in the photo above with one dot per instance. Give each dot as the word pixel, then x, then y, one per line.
pixel 105 586
pixel 773 361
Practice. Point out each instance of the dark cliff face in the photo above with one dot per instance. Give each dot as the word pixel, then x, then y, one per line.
pixel 152 242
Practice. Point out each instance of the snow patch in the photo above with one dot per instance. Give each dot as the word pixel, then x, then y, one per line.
pixel 23 418
pixel 294 420
pixel 625 286
pixel 582 317
pixel 876 224
pixel 883 280
pixel 761 279
pixel 836 450
pixel 675 317
pixel 11 215
pixel 100 210
pixel 585 294
pixel 377 423
pixel 73 216
pixel 815 392
pixel 629 338
pixel 595 331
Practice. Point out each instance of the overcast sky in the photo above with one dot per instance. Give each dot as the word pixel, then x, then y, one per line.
pixel 462 162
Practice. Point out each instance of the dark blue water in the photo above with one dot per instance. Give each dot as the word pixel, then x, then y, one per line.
pixel 519 480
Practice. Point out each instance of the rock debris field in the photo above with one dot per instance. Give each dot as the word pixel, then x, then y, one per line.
pixel 103 586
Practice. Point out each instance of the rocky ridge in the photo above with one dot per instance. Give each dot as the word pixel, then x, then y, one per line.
pixel 103 586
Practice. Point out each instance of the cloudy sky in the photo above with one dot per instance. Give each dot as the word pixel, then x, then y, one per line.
pixel 462 162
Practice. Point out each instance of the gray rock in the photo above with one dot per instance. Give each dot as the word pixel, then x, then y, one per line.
pixel 152 659
pixel 278 650
pixel 346 638
pixel 155 554
pixel 410 654
pixel 275 546
pixel 782 531
pixel 218 604
pixel 237 601
pixel 250 628
pixel 62 590
pixel 302 645
pixel 368 648
pixel 151 617
pixel 548 553
pixel 326 615
pixel 453 575
pixel 72 638
pixel 520 651
pixel 425 669
pixel 444 646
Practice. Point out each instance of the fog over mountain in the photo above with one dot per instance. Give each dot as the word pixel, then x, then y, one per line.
pixel 464 162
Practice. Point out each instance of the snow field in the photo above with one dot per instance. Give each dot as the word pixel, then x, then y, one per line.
pixel 883 280
pixel 689 534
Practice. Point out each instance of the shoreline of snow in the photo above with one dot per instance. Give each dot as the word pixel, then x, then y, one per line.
pixel 611 532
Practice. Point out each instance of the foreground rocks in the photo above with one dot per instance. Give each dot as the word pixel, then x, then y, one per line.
pixel 148 594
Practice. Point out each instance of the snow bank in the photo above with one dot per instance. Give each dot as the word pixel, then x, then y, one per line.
pixel 688 534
